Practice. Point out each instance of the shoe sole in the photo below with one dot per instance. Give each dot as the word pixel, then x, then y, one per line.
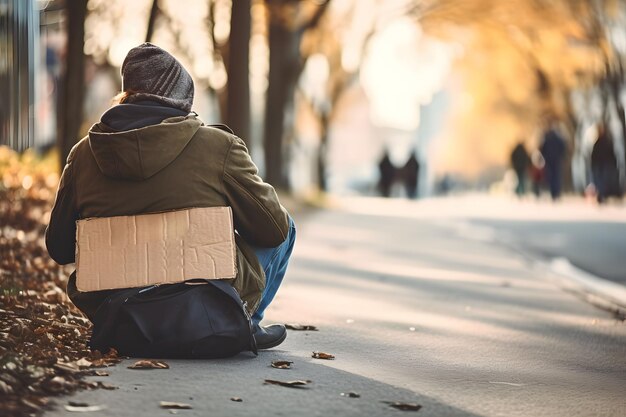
pixel 273 344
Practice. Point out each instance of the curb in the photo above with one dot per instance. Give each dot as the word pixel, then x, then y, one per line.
pixel 598 291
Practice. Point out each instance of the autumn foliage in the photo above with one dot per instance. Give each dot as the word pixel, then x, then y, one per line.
pixel 43 337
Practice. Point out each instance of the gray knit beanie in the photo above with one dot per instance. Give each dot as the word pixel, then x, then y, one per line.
pixel 154 74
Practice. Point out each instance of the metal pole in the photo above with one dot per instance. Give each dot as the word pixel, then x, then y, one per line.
pixel 19 37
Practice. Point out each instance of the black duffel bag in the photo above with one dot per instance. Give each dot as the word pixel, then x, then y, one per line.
pixel 199 320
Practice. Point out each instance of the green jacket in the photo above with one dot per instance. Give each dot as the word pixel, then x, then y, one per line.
pixel 176 164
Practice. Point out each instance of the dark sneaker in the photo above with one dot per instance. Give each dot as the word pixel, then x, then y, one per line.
pixel 267 337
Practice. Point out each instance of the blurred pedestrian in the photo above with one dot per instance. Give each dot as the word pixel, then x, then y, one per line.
pixel 387 175
pixel 520 162
pixel 410 174
pixel 444 184
pixel 604 166
pixel 553 151
pixel 536 172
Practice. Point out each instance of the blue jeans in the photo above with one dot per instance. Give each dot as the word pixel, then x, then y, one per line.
pixel 274 262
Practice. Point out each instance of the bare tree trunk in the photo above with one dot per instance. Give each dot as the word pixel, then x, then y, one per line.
pixel 322 153
pixel 285 68
pixel 284 47
pixel 70 114
pixel 238 100
pixel 571 125
pixel 154 11
pixel 616 82
pixel 219 52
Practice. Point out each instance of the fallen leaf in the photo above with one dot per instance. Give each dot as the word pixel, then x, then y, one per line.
pixel 92 385
pixel 236 399
pixel 288 384
pixel 31 405
pixel 58 384
pixel 307 327
pixel 173 405
pixel 5 388
pixel 322 355
pixel 98 360
pixel 106 386
pixel 149 364
pixel 281 364
pixel 112 353
pixel 403 406
pixel 83 363
pixel 67 367
pixel 350 395
pixel 83 408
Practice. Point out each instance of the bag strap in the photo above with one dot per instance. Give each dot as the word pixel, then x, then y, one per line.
pixel 231 292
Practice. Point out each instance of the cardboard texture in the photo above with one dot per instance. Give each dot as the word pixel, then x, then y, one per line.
pixel 158 248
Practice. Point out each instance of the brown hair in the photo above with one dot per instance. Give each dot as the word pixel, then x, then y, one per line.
pixel 122 97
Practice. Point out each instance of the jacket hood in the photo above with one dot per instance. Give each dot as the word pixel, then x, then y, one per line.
pixel 138 154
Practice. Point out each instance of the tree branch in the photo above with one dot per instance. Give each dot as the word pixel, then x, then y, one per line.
pixel 154 12
pixel 317 16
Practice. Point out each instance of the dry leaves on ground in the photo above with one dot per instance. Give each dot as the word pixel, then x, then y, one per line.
pixel 322 355
pixel 289 384
pixel 403 406
pixel 149 364
pixel 43 337
pixel 281 364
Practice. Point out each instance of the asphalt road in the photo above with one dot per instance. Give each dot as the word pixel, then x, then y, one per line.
pixel 417 307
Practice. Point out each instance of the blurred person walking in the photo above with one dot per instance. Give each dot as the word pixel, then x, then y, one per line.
pixel 151 153
pixel 520 162
pixel 387 175
pixel 537 172
pixel 553 150
pixel 604 166
pixel 410 174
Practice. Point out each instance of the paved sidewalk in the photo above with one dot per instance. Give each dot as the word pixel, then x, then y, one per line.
pixel 414 312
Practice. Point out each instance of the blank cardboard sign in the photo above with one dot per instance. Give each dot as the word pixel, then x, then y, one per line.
pixel 158 248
